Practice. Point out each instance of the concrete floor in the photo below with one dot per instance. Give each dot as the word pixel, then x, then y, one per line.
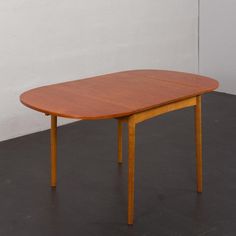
pixel 91 196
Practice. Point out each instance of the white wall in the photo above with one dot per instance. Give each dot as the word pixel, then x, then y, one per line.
pixel 218 42
pixel 43 42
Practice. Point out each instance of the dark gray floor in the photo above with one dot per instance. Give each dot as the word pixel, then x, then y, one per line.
pixel 92 188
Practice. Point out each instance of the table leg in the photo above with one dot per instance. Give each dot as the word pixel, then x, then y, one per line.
pixel 131 167
pixel 53 150
pixel 198 136
pixel 119 141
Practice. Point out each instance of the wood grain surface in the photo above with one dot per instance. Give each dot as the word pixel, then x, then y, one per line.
pixel 116 95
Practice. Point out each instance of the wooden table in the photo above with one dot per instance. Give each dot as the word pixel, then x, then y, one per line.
pixel 129 96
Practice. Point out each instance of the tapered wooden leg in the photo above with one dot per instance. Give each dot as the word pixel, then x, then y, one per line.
pixel 131 167
pixel 119 141
pixel 198 136
pixel 53 150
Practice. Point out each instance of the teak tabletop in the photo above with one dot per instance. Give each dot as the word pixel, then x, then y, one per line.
pixel 130 96
pixel 116 95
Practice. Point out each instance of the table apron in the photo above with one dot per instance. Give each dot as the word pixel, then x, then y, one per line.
pixel 148 114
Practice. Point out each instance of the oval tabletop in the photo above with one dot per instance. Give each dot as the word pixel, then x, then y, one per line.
pixel 116 95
